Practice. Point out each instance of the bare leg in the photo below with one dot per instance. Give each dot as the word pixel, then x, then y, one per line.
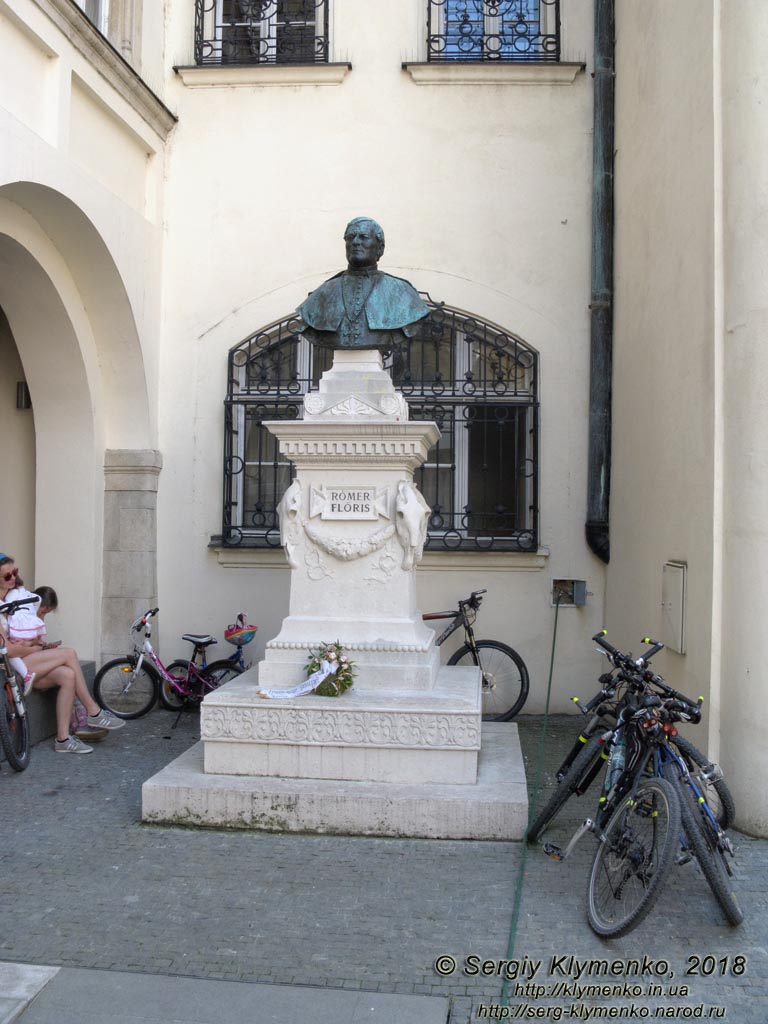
pixel 63 677
pixel 43 662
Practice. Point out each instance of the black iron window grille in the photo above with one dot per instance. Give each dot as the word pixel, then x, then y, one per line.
pixel 261 31
pixel 477 382
pixel 487 30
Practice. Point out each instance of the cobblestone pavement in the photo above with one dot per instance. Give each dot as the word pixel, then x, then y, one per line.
pixel 84 884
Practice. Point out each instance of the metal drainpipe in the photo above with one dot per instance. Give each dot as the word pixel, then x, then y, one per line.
pixel 601 306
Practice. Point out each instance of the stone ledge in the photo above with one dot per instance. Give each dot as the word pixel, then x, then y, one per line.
pixel 493 72
pixel 227 76
pixel 495 808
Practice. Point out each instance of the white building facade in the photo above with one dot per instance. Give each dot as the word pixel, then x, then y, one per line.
pixel 176 177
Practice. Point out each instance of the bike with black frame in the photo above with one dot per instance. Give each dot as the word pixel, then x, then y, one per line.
pixel 14 721
pixel 505 675
pixel 588 755
pixel 651 813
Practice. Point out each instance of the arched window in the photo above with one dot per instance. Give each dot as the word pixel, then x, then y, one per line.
pixel 476 381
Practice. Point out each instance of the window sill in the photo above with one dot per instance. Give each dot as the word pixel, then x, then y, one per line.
pixel 439 561
pixel 493 73
pixel 230 75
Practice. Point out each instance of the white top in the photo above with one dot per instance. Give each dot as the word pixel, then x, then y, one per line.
pixel 24 624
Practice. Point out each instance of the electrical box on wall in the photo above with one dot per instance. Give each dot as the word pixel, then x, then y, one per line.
pixel 673 583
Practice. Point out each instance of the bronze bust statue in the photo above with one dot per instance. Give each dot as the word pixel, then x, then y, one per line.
pixel 362 307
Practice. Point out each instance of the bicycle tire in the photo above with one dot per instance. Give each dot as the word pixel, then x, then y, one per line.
pixel 14 731
pixel 118 688
pixel 171 699
pixel 220 672
pixel 582 764
pixel 505 678
pixel 718 795
pixel 633 859
pixel 704 843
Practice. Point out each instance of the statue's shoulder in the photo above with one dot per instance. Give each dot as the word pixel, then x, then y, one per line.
pixel 323 308
pixel 394 303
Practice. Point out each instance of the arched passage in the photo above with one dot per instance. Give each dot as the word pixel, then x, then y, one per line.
pixel 72 323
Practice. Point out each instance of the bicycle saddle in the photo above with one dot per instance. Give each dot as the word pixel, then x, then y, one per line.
pixel 200 640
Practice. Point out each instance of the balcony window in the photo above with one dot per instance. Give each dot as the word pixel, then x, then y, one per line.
pixel 489 30
pixel 261 32
pixel 476 381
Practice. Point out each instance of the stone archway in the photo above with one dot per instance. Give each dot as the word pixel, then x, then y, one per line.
pixel 73 325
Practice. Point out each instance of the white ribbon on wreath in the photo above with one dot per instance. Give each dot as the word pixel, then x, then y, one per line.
pixel 311 683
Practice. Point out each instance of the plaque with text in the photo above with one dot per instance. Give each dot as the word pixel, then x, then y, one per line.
pixel 359 502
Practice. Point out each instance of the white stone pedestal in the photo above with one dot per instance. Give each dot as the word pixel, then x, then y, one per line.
pixel 353 525
pixel 400 752
pixel 366 735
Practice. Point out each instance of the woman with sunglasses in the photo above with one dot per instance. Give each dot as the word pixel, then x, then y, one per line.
pixel 56 667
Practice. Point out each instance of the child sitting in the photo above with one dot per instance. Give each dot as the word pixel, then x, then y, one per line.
pixel 26 625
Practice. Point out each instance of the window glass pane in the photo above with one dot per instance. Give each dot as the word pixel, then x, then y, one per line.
pixel 499 365
pixel 266 473
pixel 428 358
pixel 496 468
pixel 463 28
pixel 436 478
pixel 272 367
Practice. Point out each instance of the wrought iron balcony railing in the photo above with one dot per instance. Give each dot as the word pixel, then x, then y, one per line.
pixel 491 30
pixel 261 32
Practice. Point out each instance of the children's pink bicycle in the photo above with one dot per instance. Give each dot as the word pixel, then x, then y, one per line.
pixel 130 687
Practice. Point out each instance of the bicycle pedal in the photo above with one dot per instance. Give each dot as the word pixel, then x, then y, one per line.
pixel 553 851
pixel 683 858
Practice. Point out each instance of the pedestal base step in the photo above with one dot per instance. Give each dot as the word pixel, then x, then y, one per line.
pixel 495 808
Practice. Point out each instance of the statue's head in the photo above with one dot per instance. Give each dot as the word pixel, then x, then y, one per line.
pixel 365 242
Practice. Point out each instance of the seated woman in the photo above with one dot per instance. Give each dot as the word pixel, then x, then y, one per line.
pixel 56 667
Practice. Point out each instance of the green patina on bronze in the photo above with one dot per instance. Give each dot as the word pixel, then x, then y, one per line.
pixel 362 307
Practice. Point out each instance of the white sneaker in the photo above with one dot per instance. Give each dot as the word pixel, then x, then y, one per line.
pixel 28 680
pixel 105 720
pixel 72 745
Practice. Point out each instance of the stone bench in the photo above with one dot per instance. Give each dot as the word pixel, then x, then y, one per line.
pixel 41 707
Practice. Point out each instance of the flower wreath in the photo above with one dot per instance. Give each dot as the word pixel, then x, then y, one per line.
pixel 344 675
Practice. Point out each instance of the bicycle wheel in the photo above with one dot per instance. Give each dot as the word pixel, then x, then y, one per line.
pixel 707 847
pixel 14 730
pixel 119 688
pixel 718 795
pixel 633 859
pixel 220 672
pixel 585 768
pixel 505 678
pixel 170 698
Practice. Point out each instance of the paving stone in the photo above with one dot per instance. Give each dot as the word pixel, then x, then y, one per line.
pixel 95 888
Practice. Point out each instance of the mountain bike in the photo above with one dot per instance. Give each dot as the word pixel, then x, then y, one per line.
pixel 14 722
pixel 589 753
pixel 130 687
pixel 651 813
pixel 505 676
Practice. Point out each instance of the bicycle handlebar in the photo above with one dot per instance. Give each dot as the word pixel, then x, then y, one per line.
pixel 144 619
pixel 13 606
pixel 636 667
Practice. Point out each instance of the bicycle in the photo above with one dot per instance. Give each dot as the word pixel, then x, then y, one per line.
pixel 130 687
pixel 588 755
pixel 14 723
pixel 240 634
pixel 505 676
pixel 650 806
